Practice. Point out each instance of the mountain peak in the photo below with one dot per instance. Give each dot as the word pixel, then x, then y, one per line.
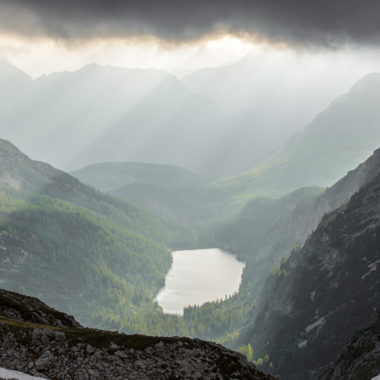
pixel 11 72
pixel 368 83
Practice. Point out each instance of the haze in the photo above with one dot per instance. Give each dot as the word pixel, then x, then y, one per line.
pixel 207 169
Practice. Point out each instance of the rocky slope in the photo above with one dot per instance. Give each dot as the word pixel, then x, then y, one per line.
pixel 324 292
pixel 21 308
pixel 361 357
pixel 62 349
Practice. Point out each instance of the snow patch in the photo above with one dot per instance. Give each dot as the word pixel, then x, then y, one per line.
pixel 302 344
pixel 319 322
pixel 377 377
pixel 372 268
pixel 8 374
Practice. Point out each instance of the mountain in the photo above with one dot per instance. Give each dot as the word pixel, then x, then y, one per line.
pixel 98 257
pixel 63 113
pixel 267 229
pixel 171 125
pixel 262 236
pixel 106 113
pixel 52 344
pixel 24 174
pixel 339 138
pixel 165 190
pixel 168 191
pixel 13 81
pixel 270 95
pixel 110 176
pixel 15 87
pixel 322 293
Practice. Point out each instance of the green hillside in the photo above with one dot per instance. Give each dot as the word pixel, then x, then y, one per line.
pixel 34 177
pixel 77 260
pixel 93 255
pixel 168 191
pixel 109 176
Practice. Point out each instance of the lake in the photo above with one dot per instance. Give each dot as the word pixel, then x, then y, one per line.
pixel 199 276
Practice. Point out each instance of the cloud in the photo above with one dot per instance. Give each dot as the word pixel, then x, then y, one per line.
pixel 300 22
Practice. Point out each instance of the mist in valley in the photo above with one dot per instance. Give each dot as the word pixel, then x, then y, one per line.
pixel 209 172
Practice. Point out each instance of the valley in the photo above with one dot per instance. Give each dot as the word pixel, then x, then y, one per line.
pixel 220 224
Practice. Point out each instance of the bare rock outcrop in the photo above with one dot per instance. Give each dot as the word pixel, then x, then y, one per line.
pixel 63 350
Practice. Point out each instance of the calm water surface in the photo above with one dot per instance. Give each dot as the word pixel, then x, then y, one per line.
pixel 199 276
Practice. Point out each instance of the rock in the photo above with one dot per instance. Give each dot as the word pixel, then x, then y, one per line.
pixel 45 361
pixel 121 354
pixel 85 357
pixel 59 336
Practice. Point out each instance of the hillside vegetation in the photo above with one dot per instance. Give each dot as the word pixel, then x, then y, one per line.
pixel 95 256
pixel 168 191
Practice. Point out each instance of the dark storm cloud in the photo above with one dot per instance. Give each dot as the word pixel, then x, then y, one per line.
pixel 326 22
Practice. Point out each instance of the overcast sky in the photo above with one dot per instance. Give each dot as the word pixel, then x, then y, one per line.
pixel 328 22
pixel 43 35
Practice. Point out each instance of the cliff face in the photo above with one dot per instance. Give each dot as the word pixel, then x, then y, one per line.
pixel 360 358
pixel 41 341
pixel 316 300
pixel 20 308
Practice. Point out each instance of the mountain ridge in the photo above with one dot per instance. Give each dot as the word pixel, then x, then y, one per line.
pixel 338 139
pixel 49 343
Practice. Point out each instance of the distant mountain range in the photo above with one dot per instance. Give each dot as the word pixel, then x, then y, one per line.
pixel 103 113
pixel 113 175
pixel 339 138
pixel 168 191
pixel 269 97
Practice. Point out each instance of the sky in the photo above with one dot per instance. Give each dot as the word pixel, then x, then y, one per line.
pixel 325 22
pixel 42 36
pixel 44 55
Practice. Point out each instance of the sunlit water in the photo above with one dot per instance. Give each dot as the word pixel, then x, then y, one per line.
pixel 199 276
